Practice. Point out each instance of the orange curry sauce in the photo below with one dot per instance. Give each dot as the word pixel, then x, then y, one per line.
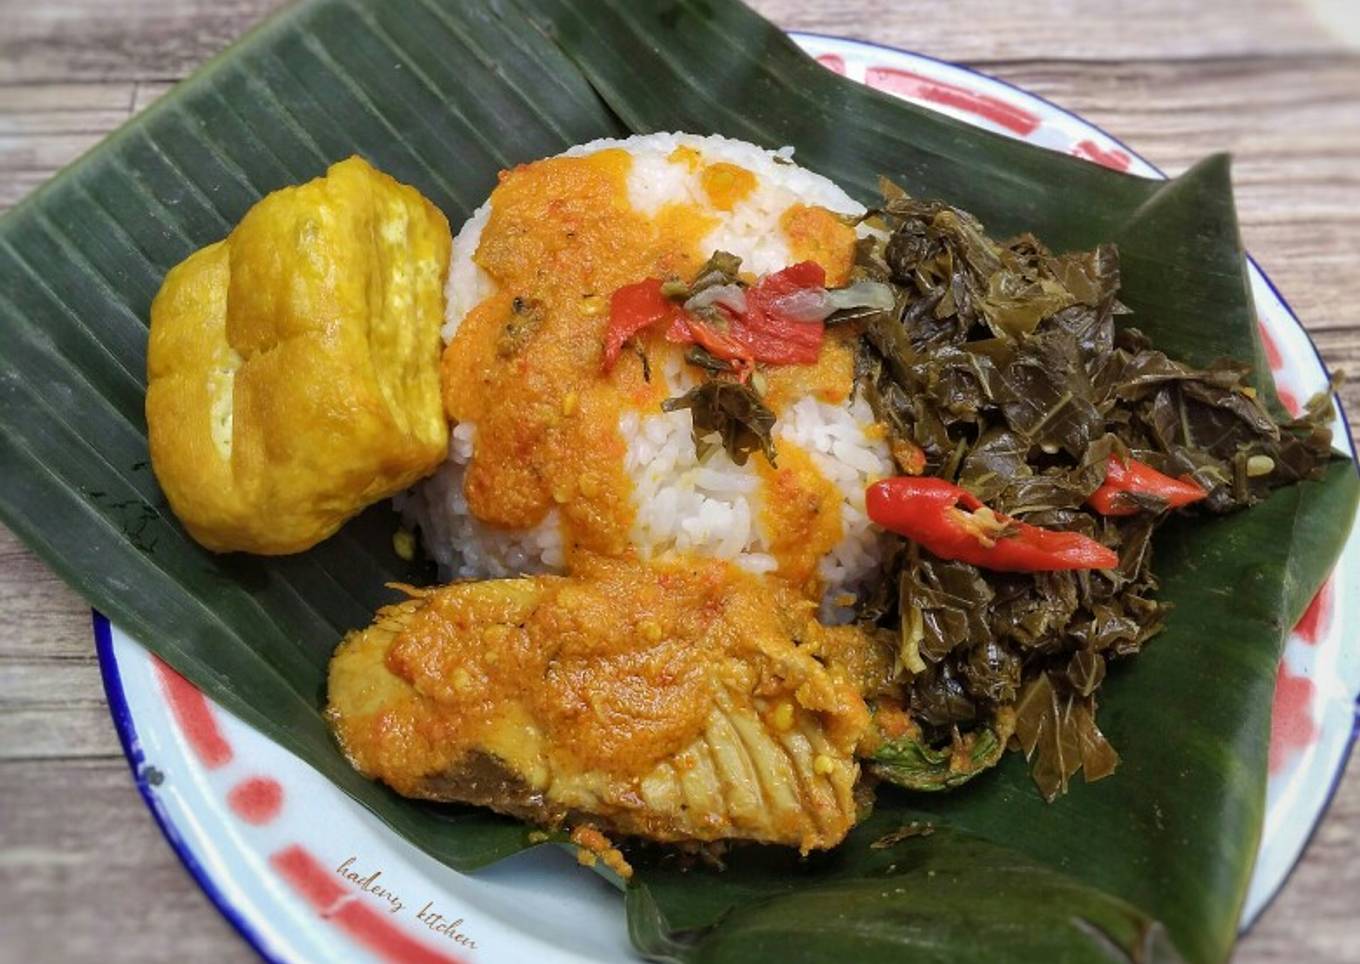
pixel 618 695
pixel 525 363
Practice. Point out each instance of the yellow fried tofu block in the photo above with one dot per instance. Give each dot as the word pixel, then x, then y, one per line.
pixel 293 368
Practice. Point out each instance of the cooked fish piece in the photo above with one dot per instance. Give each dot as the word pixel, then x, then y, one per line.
pixel 677 701
pixel 293 368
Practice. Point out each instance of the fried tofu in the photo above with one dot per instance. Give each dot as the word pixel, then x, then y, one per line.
pixel 677 701
pixel 293 368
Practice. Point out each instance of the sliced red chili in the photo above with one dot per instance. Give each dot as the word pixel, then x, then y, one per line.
pixel 632 309
pixel 1127 477
pixel 761 333
pixel 927 511
pixel 719 345
pixel 768 334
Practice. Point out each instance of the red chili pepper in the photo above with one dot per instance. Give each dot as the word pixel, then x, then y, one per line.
pixel 633 308
pixel 926 510
pixel 759 334
pixel 770 336
pixel 718 345
pixel 1129 476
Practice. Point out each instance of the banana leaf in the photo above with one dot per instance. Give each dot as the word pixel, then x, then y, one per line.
pixel 1151 864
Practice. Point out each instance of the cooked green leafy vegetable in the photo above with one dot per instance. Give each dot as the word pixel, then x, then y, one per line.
pixel 860 300
pixel 1001 365
pixel 729 415
pixel 909 762
pixel 701 358
pixel 1055 726
pixel 721 268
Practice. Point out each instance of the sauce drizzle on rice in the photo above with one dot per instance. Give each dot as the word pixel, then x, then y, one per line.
pixel 561 233
pixel 549 456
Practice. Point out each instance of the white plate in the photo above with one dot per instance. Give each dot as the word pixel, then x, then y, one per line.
pixel 305 874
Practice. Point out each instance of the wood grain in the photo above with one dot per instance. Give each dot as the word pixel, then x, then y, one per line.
pixel 84 870
pixel 88 876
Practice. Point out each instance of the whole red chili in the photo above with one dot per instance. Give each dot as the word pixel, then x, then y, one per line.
pixel 927 511
pixel 1124 477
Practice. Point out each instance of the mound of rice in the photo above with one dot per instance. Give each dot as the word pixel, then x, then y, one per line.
pixel 682 505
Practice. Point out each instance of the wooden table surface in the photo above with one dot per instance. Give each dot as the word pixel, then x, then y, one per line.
pixel 85 875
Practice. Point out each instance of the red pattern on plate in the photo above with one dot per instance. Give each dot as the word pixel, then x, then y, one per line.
pixel 256 800
pixel 342 907
pixel 1291 718
pixel 1273 356
pixel 1317 617
pixel 1113 158
pixel 833 62
pixel 194 716
pixel 1289 401
pixel 909 84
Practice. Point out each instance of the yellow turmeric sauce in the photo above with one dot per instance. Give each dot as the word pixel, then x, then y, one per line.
pixel 801 512
pixel 617 688
pixel 688 156
pixel 561 238
pixel 727 185
pixel 682 699
pixel 830 378
pixel 593 846
pixel 816 234
pixel 525 365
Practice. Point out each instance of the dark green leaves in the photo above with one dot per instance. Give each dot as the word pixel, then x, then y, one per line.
pixel 946 256
pixel 727 415
pixel 909 763
pixel 1027 406
pixel 1056 729
pixel 721 268
pixel 1190 717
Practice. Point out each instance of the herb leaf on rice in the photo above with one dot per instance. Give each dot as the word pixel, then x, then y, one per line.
pixel 727 415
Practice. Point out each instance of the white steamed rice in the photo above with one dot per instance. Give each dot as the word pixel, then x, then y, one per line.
pixel 682 505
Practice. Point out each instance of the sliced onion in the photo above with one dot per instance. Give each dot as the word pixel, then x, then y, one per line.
pixel 804 305
pixel 732 297
pixel 863 294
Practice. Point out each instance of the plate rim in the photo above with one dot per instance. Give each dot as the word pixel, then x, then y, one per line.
pixel 126 728
pixel 125 725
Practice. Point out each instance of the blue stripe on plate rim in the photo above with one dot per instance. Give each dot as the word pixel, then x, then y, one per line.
pixel 132 749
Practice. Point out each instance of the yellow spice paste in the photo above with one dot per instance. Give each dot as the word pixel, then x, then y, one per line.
pixel 525 365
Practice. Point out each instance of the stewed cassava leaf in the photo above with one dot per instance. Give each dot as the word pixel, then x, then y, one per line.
pixel 908 761
pixel 1000 367
pixel 728 415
